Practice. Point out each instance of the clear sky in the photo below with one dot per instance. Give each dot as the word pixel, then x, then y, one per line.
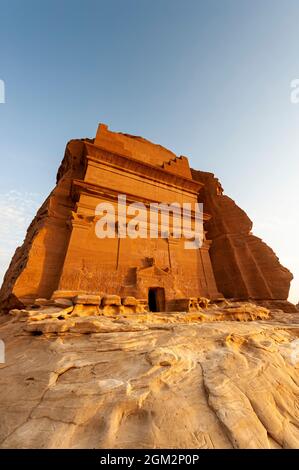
pixel 208 79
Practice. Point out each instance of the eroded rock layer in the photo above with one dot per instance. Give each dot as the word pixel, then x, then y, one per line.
pixel 156 383
pixel 35 268
pixel 62 257
pixel 244 266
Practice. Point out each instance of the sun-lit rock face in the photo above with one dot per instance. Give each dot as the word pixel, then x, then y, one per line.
pixel 62 257
pixel 244 266
pixel 87 362
pixel 149 380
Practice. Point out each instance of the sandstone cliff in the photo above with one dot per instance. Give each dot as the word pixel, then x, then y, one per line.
pixel 100 371
pixel 244 266
pixel 35 267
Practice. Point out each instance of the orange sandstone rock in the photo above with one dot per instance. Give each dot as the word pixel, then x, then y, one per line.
pixel 244 266
pixel 62 257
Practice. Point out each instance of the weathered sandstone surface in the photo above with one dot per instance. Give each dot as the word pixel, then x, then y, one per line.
pixel 151 380
pixel 89 365
pixel 62 255
pixel 36 265
pixel 244 266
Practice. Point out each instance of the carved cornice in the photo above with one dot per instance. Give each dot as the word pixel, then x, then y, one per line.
pixel 83 187
pixel 122 162
pixel 82 220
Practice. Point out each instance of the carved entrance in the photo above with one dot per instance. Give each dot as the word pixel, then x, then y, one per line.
pixel 156 299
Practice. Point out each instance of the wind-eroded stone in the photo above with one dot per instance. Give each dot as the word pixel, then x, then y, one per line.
pixel 149 384
pixel 244 266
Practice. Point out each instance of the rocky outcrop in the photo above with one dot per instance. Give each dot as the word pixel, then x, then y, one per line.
pixel 62 253
pixel 90 317
pixel 35 267
pixel 244 266
pixel 111 382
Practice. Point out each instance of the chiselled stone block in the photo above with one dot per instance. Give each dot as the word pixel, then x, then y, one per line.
pixel 130 301
pixel 87 299
pixel 111 300
pixel 142 306
pixel 43 302
pixel 63 303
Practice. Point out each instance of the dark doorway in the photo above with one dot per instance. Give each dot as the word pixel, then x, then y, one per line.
pixel 156 299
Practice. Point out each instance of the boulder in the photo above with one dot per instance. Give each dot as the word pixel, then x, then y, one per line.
pixel 63 303
pixel 87 299
pixel 111 300
pixel 129 300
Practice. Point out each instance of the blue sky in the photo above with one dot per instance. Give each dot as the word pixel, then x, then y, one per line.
pixel 208 79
